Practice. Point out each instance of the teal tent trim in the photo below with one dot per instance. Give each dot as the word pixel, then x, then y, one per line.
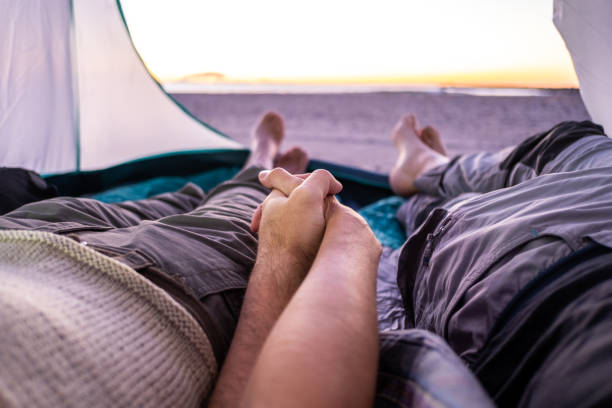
pixel 369 178
pixel 172 164
pixel 361 187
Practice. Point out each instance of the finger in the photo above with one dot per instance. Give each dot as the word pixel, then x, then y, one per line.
pixel 256 220
pixel 302 176
pixel 330 203
pixel 279 179
pixel 321 183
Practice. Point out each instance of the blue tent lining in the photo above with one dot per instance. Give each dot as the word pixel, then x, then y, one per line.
pixel 158 185
pixel 380 215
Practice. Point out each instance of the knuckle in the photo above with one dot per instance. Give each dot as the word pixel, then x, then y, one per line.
pixel 269 200
pixel 266 201
pixel 276 172
pixel 322 173
pixel 303 193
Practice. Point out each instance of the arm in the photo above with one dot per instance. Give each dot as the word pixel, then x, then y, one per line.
pixel 323 351
pixel 291 230
pixel 268 293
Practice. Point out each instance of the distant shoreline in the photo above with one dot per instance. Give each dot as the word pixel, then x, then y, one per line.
pixel 204 88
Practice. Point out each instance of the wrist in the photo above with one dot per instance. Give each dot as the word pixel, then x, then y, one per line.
pixel 354 236
pixel 284 270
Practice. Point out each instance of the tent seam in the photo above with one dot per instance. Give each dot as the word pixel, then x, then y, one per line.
pixel 75 87
pixel 160 86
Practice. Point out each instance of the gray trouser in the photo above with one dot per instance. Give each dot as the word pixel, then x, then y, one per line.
pixel 494 222
pixel 200 249
pixel 197 247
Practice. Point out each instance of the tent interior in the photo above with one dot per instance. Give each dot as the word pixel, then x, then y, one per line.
pixel 70 78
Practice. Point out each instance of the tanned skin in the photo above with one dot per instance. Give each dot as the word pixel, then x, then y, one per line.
pixel 307 334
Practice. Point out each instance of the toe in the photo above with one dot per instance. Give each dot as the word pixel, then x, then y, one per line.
pixel 413 123
pixel 431 131
pixel 272 119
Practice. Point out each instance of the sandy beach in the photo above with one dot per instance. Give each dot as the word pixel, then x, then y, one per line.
pixel 355 129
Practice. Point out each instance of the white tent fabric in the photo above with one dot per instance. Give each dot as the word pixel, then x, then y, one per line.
pixel 37 117
pixel 76 96
pixel 586 27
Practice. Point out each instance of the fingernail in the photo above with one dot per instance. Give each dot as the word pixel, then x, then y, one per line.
pixel 263 174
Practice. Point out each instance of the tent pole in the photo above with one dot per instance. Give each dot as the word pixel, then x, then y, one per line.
pixel 75 88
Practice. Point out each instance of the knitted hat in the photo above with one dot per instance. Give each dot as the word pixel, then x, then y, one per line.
pixel 80 329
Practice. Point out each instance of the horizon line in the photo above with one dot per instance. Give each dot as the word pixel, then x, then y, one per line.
pixel 484 85
pixel 442 81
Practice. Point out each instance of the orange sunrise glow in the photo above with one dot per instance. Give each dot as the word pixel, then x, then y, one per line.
pixel 500 43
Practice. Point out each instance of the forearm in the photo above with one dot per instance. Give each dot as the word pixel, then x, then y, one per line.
pixel 270 289
pixel 323 351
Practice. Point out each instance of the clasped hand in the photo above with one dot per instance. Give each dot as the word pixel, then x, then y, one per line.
pixel 301 209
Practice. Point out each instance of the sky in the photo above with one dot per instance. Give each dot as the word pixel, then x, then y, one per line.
pixel 438 42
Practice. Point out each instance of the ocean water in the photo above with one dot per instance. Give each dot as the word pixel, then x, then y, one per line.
pixel 193 88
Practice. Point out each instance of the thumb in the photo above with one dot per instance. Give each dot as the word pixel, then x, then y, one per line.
pixel 256 218
pixel 331 205
pixel 320 184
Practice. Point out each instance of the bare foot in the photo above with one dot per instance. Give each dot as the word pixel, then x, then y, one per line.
pixel 294 160
pixel 431 137
pixel 266 138
pixel 415 157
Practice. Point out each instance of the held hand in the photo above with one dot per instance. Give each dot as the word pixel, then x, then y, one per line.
pixel 291 220
pixel 336 300
pixel 290 223
pixel 347 230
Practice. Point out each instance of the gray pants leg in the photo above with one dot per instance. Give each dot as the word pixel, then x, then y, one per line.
pixel 529 206
pixel 64 214
pixel 569 146
pixel 198 248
